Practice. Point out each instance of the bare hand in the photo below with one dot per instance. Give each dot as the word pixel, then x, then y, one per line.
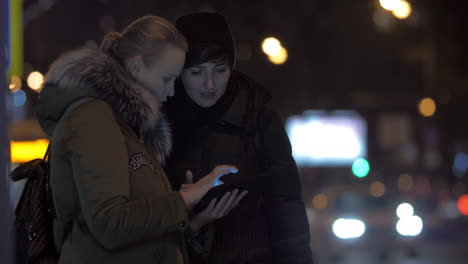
pixel 216 210
pixel 193 192
pixel 188 180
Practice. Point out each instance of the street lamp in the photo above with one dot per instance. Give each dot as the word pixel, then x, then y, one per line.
pixel 35 80
pixel 400 8
pixel 403 11
pixel 390 5
pixel 280 57
pixel 271 46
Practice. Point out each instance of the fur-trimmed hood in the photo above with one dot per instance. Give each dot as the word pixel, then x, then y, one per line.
pixel 91 73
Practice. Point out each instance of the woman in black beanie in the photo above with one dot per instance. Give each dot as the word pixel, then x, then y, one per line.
pixel 219 117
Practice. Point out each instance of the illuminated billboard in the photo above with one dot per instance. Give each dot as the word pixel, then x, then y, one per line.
pixel 327 138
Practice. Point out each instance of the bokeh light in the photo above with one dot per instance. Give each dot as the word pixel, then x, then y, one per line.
pixel 348 228
pixel 24 151
pixel 271 46
pixel 405 210
pixel 403 10
pixel 19 98
pixel 377 189
pixel 427 107
pixel 405 182
pixel 410 226
pixel 463 204
pixel 318 139
pixel 35 80
pixel 460 164
pixel 15 84
pixel 390 4
pixel 361 168
pixel 280 58
pixel 320 201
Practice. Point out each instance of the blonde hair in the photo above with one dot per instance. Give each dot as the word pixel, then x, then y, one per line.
pixel 145 37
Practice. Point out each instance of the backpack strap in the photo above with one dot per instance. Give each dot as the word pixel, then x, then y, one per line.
pixel 46 154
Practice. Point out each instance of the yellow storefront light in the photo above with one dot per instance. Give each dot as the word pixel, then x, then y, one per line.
pixel 24 151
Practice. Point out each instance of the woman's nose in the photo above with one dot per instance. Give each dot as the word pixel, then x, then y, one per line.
pixel 210 83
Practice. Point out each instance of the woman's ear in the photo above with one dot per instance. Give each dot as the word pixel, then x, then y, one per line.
pixel 134 66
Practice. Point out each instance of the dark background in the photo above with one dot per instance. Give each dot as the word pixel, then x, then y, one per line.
pixel 340 57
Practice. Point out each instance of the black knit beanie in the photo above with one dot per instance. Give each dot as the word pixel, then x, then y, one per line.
pixel 204 29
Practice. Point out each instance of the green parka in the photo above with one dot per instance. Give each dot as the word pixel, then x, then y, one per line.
pixel 113 201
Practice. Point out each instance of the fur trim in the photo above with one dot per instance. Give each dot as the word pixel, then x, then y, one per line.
pixel 133 104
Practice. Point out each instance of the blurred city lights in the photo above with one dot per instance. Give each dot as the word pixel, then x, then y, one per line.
pixel 361 168
pixel 271 46
pixel 327 140
pixel 390 4
pixel 35 80
pixel 348 228
pixel 410 226
pixel 280 57
pixel 15 84
pixel 405 182
pixel 24 151
pixel 460 164
pixel 377 189
pixel 403 10
pixel 463 204
pixel 427 107
pixel 405 210
pixel 320 201
pixel 19 98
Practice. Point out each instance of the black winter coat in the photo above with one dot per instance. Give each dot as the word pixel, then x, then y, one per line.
pixel 270 224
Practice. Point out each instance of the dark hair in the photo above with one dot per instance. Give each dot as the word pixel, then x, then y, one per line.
pixel 145 37
pixel 203 53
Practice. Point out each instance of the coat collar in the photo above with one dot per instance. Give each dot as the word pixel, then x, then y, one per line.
pixel 91 73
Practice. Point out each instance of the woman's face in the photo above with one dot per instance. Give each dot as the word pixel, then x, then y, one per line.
pixel 206 83
pixel 159 76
